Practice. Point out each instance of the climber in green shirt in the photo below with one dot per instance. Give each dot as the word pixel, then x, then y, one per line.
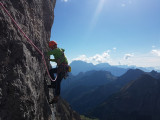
pixel 58 55
pixel 62 69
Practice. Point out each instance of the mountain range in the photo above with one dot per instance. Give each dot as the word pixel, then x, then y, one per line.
pixel 117 70
pixel 77 86
pixel 138 100
pixel 88 92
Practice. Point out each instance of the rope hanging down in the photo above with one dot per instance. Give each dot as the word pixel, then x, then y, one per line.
pixel 29 40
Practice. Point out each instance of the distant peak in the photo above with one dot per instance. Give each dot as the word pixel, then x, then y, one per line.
pixel 134 70
pixel 154 72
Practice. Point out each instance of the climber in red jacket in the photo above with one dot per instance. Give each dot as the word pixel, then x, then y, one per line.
pixel 62 69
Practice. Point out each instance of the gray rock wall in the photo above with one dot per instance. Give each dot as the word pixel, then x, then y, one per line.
pixel 22 72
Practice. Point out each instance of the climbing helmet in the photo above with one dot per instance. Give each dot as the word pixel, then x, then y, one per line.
pixel 52 43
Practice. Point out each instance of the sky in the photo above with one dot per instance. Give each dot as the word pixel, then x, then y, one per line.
pixel 118 32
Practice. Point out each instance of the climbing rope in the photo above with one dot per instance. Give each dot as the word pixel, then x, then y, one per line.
pixel 29 40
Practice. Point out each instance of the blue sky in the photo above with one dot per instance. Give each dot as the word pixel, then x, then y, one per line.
pixel 119 32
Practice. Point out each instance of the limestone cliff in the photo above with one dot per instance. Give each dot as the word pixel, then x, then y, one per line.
pixel 23 77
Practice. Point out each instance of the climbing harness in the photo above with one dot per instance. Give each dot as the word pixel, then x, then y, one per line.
pixel 64 69
pixel 29 40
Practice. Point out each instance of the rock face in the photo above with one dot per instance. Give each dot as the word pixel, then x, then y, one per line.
pixel 64 111
pixel 23 78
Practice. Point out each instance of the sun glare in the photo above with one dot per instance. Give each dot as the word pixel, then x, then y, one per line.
pixel 99 8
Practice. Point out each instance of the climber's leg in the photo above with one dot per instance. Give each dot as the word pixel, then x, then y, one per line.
pixel 52 72
pixel 57 89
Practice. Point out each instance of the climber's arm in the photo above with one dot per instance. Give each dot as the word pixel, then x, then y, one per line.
pixel 52 52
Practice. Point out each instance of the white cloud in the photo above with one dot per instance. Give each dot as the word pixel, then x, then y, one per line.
pixel 146 60
pixel 156 52
pixel 127 56
pixel 141 60
pixel 64 0
pixel 150 59
pixel 82 57
pixel 114 48
pixel 98 58
pixel 153 46
pixel 123 5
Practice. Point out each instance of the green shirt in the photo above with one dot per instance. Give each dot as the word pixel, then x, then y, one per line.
pixel 59 56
